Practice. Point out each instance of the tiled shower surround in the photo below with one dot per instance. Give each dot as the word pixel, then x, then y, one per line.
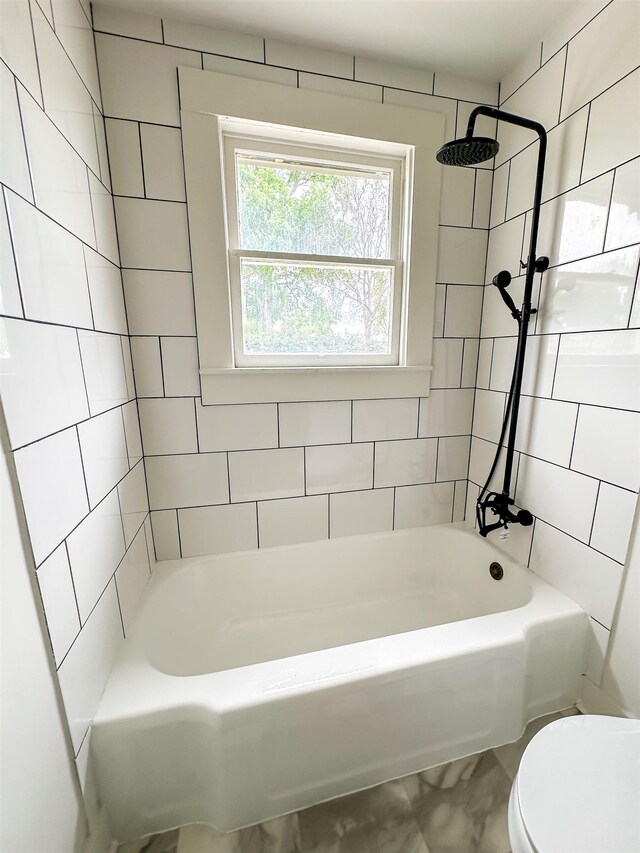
pixel 579 430
pixel 89 300
pixel 222 478
pixel 67 384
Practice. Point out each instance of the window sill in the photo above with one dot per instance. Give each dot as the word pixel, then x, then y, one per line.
pixel 294 385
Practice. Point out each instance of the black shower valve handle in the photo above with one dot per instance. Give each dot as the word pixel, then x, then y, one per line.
pixel 541 264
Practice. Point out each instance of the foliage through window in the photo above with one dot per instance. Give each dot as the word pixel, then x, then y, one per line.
pixel 314 236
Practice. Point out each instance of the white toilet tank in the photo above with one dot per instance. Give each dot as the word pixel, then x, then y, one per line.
pixel 578 788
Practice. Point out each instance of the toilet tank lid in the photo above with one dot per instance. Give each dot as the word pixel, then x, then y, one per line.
pixel 579 786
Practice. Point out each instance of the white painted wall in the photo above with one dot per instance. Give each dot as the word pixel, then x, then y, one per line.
pixel 40 803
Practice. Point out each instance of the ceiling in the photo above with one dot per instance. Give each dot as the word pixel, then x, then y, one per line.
pixel 482 39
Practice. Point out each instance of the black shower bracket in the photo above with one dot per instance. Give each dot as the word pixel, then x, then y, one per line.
pixel 499 504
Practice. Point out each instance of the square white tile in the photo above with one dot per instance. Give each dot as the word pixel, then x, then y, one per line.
pixel 403 463
pixel 375 420
pixel 51 268
pixel 314 423
pixel 104 453
pixel 260 474
pixel 456 197
pixel 195 479
pixel 123 140
pixel 159 303
pixel 218 529
pixel 166 539
pixel 572 226
pixel 95 548
pixel 470 362
pixel 446 412
pixel 153 234
pixel 461 255
pixel 41 378
pixel 358 513
pixel 447 363
pixel 168 425
pixel 607 445
pixel 453 457
pixel 162 162
pixel 546 429
pixel 504 253
pixel 613 521
pixel 463 309
pixel 488 414
pixel 293 520
pixel 180 367
pixel 242 427
pixel 418 506
pixel 104 370
pixel 339 468
pixel 579 297
pixel 563 498
pixel 590 579
pixel 600 368
pixel 147 366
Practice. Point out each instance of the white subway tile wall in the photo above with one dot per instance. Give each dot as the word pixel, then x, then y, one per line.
pixel 225 478
pixel 579 431
pixel 307 469
pixel 66 386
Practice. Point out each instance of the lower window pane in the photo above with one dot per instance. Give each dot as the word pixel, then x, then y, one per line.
pixel 292 309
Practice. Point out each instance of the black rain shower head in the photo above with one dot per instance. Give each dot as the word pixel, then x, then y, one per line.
pixel 468 151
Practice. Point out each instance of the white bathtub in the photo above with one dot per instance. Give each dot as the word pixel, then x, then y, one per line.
pixel 258 683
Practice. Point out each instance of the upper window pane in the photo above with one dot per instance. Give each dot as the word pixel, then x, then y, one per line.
pixel 307 208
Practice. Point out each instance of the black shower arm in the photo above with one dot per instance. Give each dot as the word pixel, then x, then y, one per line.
pixel 492 112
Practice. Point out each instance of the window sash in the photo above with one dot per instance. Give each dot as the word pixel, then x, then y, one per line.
pixel 234 144
pixel 242 359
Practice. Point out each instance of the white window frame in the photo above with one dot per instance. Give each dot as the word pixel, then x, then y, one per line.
pixel 256 145
pixel 212 103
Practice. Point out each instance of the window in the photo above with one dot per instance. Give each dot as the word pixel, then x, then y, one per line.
pixel 313 225
pixel 315 262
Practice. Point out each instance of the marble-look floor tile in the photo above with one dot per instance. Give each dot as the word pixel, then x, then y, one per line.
pixel 462 806
pixel 511 754
pixel 274 836
pixel 166 842
pixel 379 820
